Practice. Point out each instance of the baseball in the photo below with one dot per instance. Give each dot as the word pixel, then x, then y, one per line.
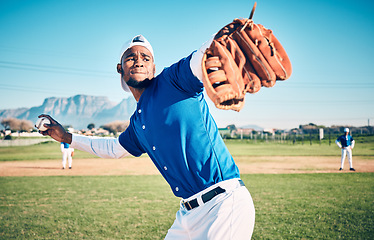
pixel 40 123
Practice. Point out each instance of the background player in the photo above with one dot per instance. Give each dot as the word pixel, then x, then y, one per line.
pixel 346 143
pixel 67 154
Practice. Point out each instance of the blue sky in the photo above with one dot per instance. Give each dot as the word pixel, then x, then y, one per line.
pixel 64 48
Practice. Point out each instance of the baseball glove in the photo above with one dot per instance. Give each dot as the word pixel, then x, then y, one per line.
pixel 242 58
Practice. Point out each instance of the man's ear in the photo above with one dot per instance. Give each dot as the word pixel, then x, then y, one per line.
pixel 119 68
pixel 154 69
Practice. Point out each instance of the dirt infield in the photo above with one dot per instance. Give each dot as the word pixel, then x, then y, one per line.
pixel 144 166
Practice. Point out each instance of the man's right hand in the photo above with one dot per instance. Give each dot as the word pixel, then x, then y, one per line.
pixel 56 131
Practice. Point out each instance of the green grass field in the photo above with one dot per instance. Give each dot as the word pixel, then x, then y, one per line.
pixel 51 150
pixel 363 147
pixel 288 206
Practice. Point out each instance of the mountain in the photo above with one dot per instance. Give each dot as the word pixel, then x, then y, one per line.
pixel 255 127
pixel 77 111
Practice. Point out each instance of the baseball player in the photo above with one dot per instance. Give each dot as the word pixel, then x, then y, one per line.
pixel 173 125
pixel 346 143
pixel 67 154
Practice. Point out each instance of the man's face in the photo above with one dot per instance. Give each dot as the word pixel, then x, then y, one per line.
pixel 138 68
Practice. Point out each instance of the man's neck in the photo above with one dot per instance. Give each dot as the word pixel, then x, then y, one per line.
pixel 137 93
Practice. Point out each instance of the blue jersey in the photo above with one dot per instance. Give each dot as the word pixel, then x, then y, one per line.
pixel 345 140
pixel 66 145
pixel 172 124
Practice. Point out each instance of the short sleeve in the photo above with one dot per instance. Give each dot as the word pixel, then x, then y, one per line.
pixel 180 76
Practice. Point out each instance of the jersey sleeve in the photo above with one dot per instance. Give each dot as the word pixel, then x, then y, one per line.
pixel 338 143
pixel 104 147
pixel 130 142
pixel 181 77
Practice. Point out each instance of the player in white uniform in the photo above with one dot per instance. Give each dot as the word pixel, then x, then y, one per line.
pixel 67 154
pixel 346 143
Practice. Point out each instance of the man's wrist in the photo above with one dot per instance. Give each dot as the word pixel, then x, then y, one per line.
pixel 67 138
pixel 195 62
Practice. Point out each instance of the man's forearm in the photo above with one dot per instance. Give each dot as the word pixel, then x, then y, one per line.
pixel 338 143
pixel 99 146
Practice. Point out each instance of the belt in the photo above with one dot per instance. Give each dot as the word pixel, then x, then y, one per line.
pixel 206 197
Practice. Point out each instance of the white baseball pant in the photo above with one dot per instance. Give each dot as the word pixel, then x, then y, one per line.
pixel 229 215
pixel 346 151
pixel 66 155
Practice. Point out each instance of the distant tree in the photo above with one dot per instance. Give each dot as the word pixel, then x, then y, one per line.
pixel 231 127
pixel 6 122
pixel 116 126
pixel 26 126
pixel 15 124
pixel 8 137
pixel 91 126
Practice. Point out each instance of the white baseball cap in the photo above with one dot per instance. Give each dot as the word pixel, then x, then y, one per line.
pixel 138 40
pixel 346 129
